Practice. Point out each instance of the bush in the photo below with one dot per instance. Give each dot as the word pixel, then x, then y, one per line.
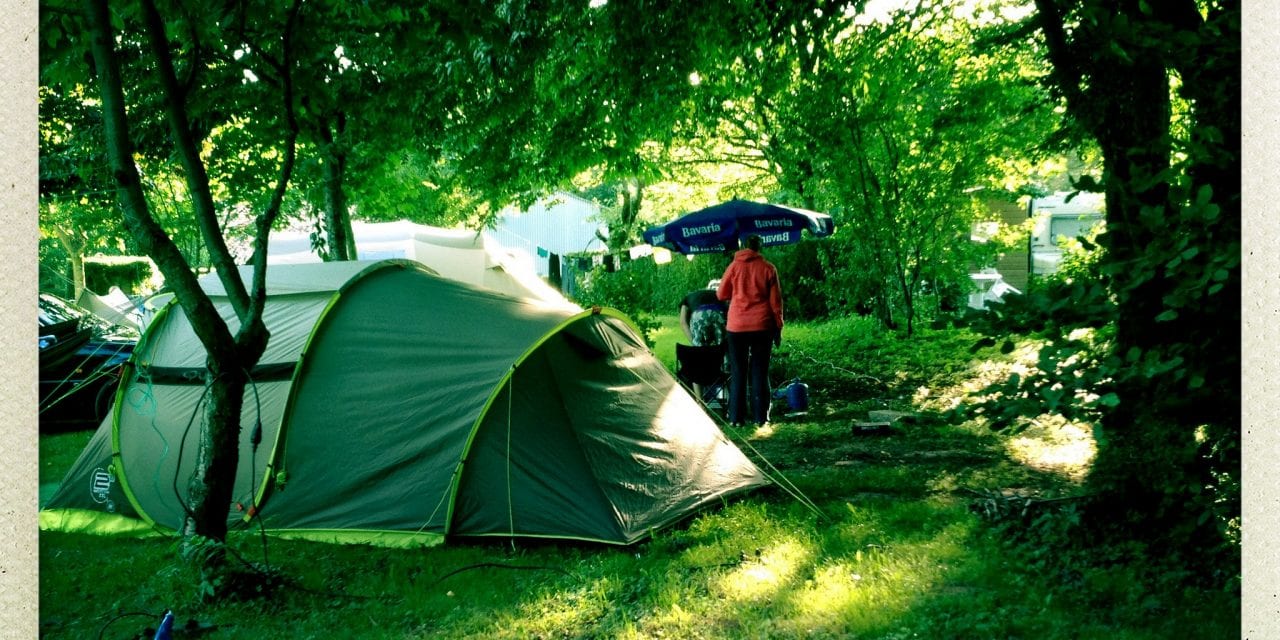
pixel 646 287
pixel 133 275
pixel 804 280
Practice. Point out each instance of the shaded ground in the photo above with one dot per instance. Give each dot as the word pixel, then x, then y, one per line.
pixel 905 547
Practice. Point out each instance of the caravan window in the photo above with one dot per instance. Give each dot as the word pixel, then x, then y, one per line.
pixel 1072 226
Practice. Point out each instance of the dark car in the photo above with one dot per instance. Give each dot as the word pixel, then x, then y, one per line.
pixel 81 357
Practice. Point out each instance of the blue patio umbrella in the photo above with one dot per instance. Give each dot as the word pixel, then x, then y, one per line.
pixel 718 228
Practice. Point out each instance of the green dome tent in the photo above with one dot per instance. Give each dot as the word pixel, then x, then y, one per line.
pixel 398 407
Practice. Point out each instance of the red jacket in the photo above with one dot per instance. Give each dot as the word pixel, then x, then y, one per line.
pixel 750 284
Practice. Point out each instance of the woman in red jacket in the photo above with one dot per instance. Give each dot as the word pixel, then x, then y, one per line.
pixel 750 284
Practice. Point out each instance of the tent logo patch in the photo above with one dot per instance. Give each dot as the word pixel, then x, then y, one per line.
pixel 100 487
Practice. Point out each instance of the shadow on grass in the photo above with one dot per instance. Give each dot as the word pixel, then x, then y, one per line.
pixel 897 553
pixel 898 560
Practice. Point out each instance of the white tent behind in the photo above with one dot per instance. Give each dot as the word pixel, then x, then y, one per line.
pixel 114 307
pixel 458 254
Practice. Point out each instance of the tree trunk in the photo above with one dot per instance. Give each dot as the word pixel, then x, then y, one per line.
pixel 228 357
pixel 74 243
pixel 77 275
pixel 1127 109
pixel 151 238
pixel 341 241
pixel 1155 472
pixel 632 198
pixel 909 310
pixel 1130 125
pixel 210 486
pixel 884 309
pixel 337 218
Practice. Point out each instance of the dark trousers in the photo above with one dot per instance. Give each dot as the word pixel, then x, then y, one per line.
pixel 749 353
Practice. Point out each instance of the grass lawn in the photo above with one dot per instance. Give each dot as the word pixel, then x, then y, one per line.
pixel 664 339
pixel 902 547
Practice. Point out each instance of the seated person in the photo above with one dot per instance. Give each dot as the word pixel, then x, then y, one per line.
pixel 702 317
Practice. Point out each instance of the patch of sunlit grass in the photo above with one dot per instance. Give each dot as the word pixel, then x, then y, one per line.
pixel 982 374
pixel 664 338
pixel 1053 444
pixel 862 592
pixel 761 577
pixel 671 621
pixel 739 530
pixel 834 587
pixel 557 613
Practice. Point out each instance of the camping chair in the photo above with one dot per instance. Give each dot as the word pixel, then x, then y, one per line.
pixel 705 367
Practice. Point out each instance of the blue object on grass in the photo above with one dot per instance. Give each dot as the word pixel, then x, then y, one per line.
pixel 165 632
pixel 798 396
pixel 796 393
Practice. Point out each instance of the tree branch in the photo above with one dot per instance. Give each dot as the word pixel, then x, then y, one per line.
pixel 193 65
pixel 197 178
pixel 151 238
pixel 1066 68
pixel 267 219
pixel 261 52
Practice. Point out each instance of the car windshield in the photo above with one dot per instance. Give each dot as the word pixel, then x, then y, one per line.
pixel 54 310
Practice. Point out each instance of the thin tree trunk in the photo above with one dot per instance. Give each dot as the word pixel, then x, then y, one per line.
pixel 151 238
pixel 187 147
pixel 342 245
pixel 337 219
pixel 74 243
pixel 632 198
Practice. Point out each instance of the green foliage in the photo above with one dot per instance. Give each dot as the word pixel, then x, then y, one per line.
pixel 1069 379
pixel 1170 471
pixel 645 287
pixel 1071 315
pixel 1077 373
pixel 854 357
pixel 133 276
pixel 888 126
pixel 1082 260
pixel 625 290
pixel 229 114
pixel 55 272
pixel 805 285
pixel 77 199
